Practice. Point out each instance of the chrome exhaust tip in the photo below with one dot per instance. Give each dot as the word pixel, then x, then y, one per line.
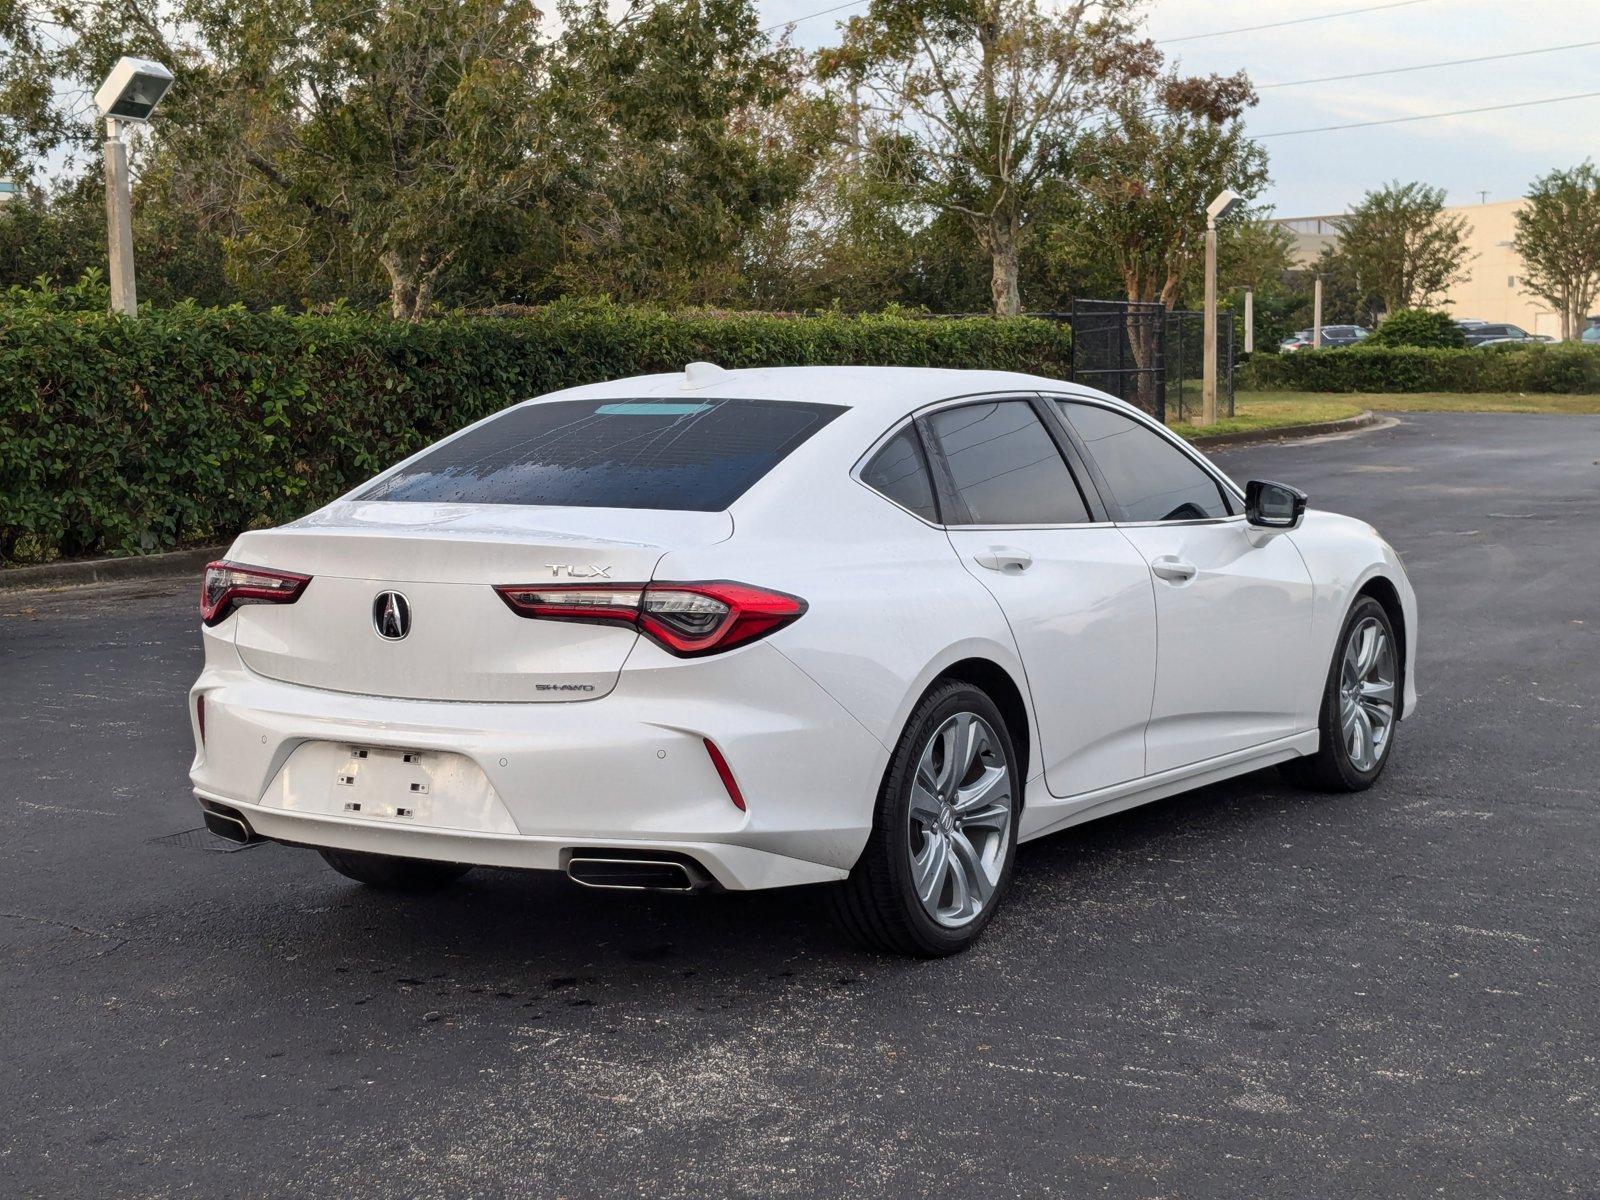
pixel 635 874
pixel 226 823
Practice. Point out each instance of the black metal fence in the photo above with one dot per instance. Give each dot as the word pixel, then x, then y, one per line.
pixel 1146 355
pixel 1184 375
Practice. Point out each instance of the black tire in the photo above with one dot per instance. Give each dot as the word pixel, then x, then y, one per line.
pixel 878 906
pixel 392 872
pixel 1330 769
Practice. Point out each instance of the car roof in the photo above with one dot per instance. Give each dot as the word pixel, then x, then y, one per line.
pixel 887 392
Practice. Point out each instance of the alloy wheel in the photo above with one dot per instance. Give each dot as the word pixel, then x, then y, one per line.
pixel 1367 693
pixel 960 819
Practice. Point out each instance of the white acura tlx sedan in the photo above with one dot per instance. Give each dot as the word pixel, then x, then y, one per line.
pixel 863 627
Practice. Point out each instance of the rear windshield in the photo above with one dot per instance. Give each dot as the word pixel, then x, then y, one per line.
pixel 698 455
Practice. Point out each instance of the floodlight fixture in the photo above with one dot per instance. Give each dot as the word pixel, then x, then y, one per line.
pixel 1224 206
pixel 133 89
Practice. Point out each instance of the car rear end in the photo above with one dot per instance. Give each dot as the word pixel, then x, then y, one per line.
pixel 481 658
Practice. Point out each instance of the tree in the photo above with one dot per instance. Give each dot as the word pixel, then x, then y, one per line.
pixel 1343 301
pixel 1558 237
pixel 1419 327
pixel 58 235
pixel 1254 253
pixel 413 126
pixel 425 149
pixel 1174 144
pixel 838 239
pixel 978 107
pixel 1398 245
pixel 402 128
pixel 697 132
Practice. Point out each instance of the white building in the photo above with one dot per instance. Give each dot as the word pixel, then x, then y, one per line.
pixel 1494 290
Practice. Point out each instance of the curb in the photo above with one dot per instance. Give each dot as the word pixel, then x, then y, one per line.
pixel 109 570
pixel 1250 437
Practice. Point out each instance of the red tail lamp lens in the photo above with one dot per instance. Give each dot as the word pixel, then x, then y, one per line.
pixel 576 602
pixel 687 619
pixel 725 773
pixel 228 585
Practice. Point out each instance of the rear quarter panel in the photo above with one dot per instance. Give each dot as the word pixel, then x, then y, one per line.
pixel 889 605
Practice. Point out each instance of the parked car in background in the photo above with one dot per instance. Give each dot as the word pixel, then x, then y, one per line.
pixel 1344 335
pixel 1332 336
pixel 1591 336
pixel 1485 334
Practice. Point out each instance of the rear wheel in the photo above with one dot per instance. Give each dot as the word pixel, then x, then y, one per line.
pixel 392 872
pixel 943 840
pixel 1360 703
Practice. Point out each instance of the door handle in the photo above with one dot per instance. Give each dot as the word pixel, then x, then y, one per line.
pixel 1004 558
pixel 1173 570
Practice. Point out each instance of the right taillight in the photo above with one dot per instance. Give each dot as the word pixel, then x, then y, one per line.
pixel 227 585
pixel 688 619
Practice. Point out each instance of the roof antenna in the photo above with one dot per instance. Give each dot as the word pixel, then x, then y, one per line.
pixel 699 375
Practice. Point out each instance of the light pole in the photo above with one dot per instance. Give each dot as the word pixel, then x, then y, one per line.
pixel 127 97
pixel 1222 207
pixel 1316 315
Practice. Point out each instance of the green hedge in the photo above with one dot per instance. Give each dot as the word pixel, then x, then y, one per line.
pixel 188 425
pixel 1418 327
pixel 1546 368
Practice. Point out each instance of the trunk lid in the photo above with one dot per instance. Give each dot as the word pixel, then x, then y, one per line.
pixel 462 642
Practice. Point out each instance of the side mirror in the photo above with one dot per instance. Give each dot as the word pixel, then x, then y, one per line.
pixel 1273 505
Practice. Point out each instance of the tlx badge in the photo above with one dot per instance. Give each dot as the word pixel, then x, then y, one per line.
pixel 573 571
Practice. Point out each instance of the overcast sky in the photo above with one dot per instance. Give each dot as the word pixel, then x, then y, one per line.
pixel 1326 172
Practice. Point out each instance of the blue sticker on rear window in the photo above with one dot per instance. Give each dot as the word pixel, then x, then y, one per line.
pixel 644 408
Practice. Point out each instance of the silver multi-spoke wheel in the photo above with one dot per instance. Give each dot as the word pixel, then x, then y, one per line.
pixel 1367 693
pixel 960 818
pixel 939 857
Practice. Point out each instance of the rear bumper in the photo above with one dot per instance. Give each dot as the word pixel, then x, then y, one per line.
pixel 735 867
pixel 523 785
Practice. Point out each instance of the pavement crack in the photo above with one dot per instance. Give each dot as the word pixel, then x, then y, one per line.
pixel 80 929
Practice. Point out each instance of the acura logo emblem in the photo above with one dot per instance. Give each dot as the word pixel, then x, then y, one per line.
pixel 391 616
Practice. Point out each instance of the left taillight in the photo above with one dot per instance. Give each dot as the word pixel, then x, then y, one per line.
pixel 686 619
pixel 227 585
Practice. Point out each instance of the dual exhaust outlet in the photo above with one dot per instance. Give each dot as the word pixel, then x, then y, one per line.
pixel 636 874
pixel 615 870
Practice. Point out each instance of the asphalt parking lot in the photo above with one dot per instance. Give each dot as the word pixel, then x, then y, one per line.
pixel 1247 991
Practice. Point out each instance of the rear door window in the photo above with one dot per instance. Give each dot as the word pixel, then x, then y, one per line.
pixel 900 472
pixel 1151 478
pixel 1005 466
pixel 695 455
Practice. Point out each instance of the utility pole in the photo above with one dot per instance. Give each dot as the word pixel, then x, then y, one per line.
pixel 1316 317
pixel 1249 321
